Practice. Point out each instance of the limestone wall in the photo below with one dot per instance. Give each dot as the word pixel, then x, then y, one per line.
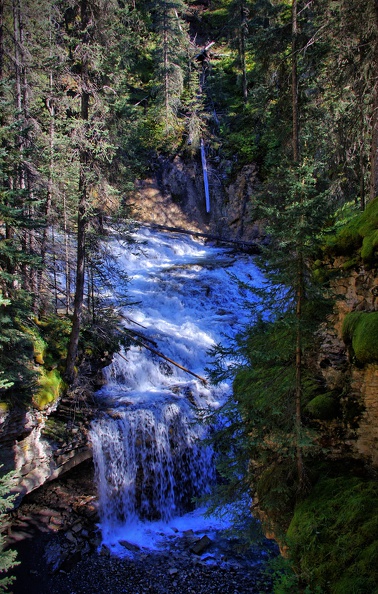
pixel 37 456
pixel 358 291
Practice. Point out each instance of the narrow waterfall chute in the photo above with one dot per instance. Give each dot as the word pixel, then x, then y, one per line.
pixel 205 176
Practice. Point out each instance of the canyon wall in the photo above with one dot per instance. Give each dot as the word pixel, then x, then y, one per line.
pixel 41 445
pixel 175 197
pixel 356 290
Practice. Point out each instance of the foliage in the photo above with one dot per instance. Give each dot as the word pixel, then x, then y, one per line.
pixel 332 537
pixel 16 349
pixel 7 557
pixel 360 330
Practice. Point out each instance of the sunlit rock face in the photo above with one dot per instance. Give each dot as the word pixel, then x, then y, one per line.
pixel 175 197
pixel 28 447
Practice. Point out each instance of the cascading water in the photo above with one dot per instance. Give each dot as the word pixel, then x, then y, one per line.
pixel 149 460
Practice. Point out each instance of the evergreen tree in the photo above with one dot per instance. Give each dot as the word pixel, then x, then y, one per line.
pixel 7 557
pixel 273 380
pixel 172 57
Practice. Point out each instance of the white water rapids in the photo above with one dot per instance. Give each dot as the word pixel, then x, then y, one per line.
pixel 146 444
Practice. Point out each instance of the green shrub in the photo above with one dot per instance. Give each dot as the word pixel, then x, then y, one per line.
pixel 360 332
pixel 333 536
pixel 7 557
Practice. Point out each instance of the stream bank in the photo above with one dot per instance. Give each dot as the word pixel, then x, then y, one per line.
pixel 59 546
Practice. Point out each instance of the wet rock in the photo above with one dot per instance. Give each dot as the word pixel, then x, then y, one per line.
pixel 70 561
pixel 129 545
pixel 77 527
pixel 71 538
pixel 201 545
pixel 104 552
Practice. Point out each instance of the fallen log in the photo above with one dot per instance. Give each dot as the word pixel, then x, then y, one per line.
pixel 202 379
pixel 251 246
pixel 139 334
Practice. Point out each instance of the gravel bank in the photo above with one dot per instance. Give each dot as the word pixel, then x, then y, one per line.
pixel 58 543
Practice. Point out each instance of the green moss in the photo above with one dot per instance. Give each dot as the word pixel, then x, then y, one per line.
pixel 50 388
pixel 39 345
pixel 360 331
pixel 350 263
pixel 333 536
pixel 359 234
pixel 55 332
pixel 369 247
pixel 323 407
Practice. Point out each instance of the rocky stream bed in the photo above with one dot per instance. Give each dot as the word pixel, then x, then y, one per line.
pixel 59 545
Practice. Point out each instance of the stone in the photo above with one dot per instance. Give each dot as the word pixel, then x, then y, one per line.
pixel 71 538
pixel 129 546
pixel 201 545
pixel 104 551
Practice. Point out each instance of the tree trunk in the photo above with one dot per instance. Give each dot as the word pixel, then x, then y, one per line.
pixel 298 372
pixel 66 256
pixel 82 210
pixel 242 48
pixel 50 184
pixel 1 48
pixel 374 126
pixel 294 82
pixel 165 61
pixel 300 269
pixel 374 147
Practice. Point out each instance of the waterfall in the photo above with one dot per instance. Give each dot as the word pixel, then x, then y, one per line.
pixel 205 176
pixel 150 464
pixel 149 460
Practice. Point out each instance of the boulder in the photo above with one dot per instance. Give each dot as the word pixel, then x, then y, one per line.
pixel 201 545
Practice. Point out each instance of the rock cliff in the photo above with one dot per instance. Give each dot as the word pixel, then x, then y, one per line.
pixel 175 197
pixel 357 291
pixel 41 445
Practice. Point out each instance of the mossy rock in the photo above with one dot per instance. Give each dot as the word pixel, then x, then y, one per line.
pixel 4 407
pixel 39 345
pixel 323 407
pixel 350 263
pixel 50 388
pixel 369 247
pixel 359 235
pixel 333 536
pixel 56 332
pixel 360 332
